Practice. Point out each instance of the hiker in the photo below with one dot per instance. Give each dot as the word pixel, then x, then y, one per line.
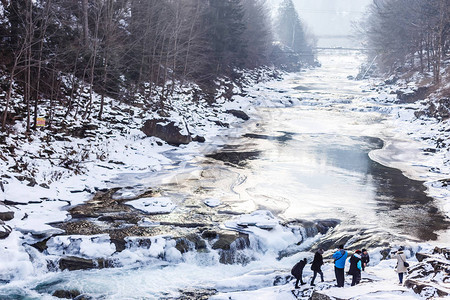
pixel 364 259
pixel 355 267
pixel 339 263
pixel 316 265
pixel 402 265
pixel 297 272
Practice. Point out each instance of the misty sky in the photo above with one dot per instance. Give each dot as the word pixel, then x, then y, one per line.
pixel 328 17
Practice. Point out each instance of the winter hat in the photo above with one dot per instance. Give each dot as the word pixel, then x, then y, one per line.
pixel 364 250
pixel 320 251
pixel 358 251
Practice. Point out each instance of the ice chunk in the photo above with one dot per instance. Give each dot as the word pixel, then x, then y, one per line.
pixel 153 205
pixel 212 202
pixel 96 246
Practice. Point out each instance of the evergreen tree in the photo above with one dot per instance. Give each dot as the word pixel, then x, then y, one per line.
pixel 291 32
pixel 225 20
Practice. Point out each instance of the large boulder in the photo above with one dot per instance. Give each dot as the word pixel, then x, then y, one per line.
pixel 238 114
pixel 167 131
pixel 6 215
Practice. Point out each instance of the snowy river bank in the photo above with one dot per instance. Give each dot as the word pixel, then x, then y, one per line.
pixel 313 167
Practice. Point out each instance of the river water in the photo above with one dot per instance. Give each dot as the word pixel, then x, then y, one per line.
pixel 307 162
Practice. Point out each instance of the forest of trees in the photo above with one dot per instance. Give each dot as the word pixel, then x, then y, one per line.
pixel 409 33
pixel 51 50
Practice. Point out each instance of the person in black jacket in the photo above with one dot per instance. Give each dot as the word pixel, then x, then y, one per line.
pixel 364 258
pixel 316 265
pixel 297 272
pixel 355 267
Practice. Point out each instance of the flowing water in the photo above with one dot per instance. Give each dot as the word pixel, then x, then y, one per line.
pixel 306 162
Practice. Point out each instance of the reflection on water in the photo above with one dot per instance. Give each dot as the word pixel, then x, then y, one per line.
pixel 323 175
pixel 313 163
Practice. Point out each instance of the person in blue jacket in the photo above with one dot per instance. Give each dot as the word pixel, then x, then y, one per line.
pixel 355 267
pixel 339 264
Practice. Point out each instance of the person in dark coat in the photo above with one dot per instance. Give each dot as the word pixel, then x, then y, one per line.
pixel 339 264
pixel 355 267
pixel 316 265
pixel 364 259
pixel 297 272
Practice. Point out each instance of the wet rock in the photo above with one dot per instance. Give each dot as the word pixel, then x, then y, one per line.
pixel 324 225
pixel 167 131
pixel 225 240
pixel 199 139
pixel 234 157
pixel 6 215
pixel 209 234
pixel 196 294
pixel 190 243
pixel 5 230
pixel 317 295
pixel 119 243
pixel 183 245
pixel 73 263
pixel 41 246
pixel 71 294
pixel 238 114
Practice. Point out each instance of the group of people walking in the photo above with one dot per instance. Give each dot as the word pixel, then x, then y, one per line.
pixel 358 261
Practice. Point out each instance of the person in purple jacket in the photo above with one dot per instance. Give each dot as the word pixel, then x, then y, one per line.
pixel 339 264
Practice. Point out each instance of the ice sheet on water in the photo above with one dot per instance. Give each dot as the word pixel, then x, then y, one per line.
pixel 128 193
pixel 212 202
pixel 260 218
pixel 96 246
pixel 154 205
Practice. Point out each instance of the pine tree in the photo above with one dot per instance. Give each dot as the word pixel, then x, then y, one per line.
pixel 225 20
pixel 290 30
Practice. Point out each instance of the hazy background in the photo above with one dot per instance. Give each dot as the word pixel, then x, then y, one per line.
pixel 329 20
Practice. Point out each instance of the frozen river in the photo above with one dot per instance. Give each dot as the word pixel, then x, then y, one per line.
pixel 307 162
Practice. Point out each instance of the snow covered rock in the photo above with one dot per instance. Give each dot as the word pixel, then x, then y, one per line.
pixel 430 276
pixel 167 131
